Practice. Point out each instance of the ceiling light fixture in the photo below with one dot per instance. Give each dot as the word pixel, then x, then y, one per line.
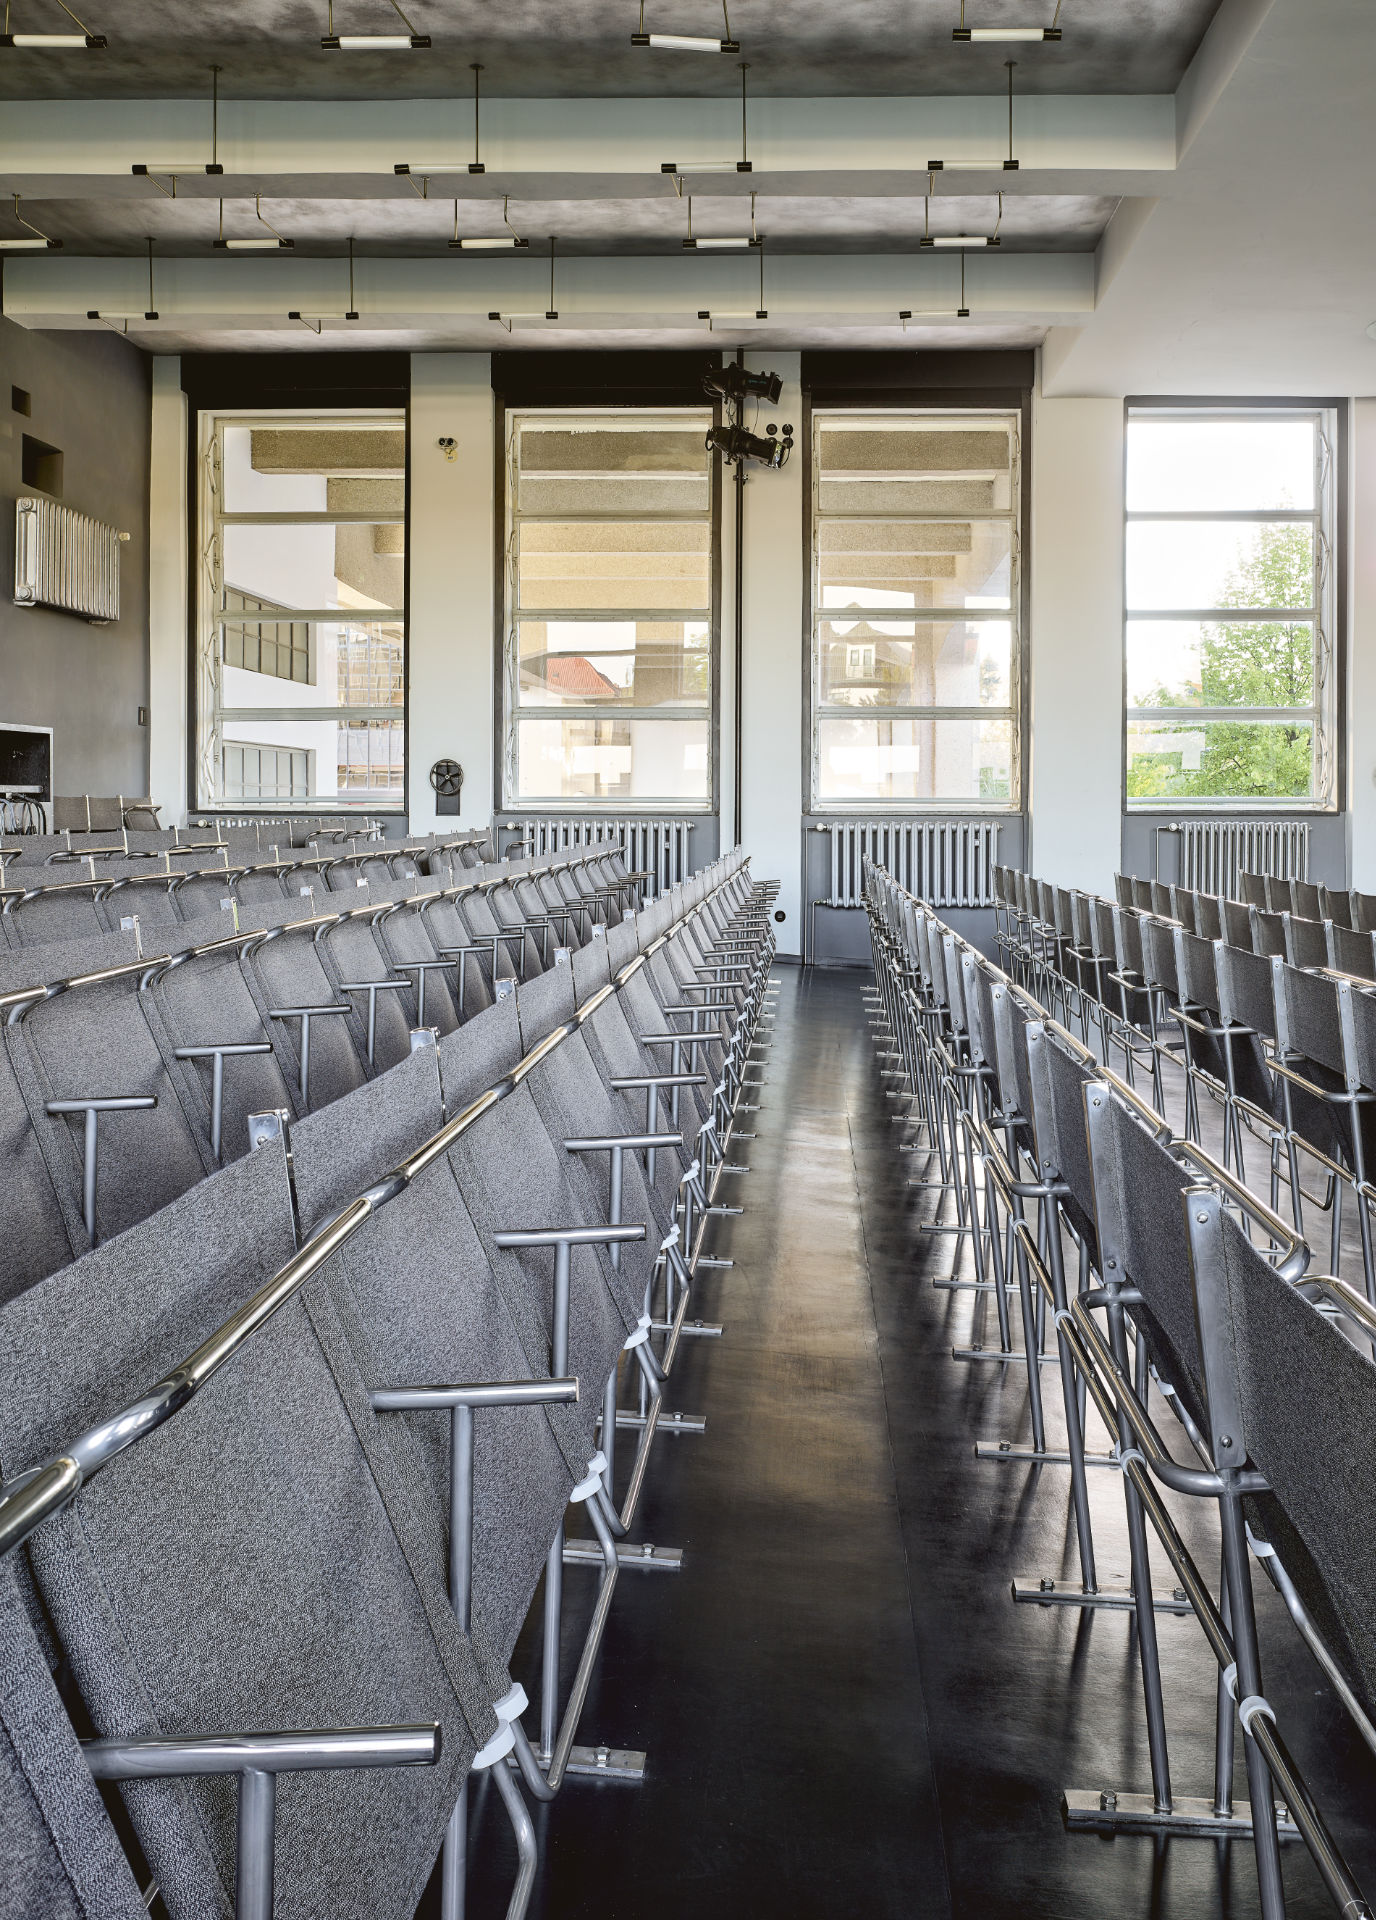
pixel 352 313
pixel 33 241
pixel 929 239
pixel 172 168
pixel 962 311
pixel 487 243
pixel 962 32
pixel 374 42
pixel 551 311
pixel 721 242
pixel 1010 165
pixel 719 166
pixel 51 41
pixel 151 311
pixel 272 238
pixel 687 42
pixel 475 165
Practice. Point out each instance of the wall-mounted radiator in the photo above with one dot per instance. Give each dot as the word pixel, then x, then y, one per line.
pixel 1214 852
pixel 63 559
pixel 657 847
pixel 949 863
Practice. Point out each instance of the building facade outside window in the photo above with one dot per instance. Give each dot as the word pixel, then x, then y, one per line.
pixel 301 609
pixel 610 593
pixel 916 610
pixel 1231 678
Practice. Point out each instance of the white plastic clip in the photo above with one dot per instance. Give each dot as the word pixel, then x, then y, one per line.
pixel 641 1334
pixel 511 1705
pixel 588 1487
pixel 1131 1453
pixel 1254 1704
pixel 497 1748
pixel 670 1239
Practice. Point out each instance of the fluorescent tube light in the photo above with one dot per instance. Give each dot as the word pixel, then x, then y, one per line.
pixel 488 243
pixel 725 240
pixel 1005 33
pixel 269 241
pixel 707 166
pixel 684 43
pixel 169 167
pixel 14 246
pixel 374 42
pixel 960 240
pixel 52 40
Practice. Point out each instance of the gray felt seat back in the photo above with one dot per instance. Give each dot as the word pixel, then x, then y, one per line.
pixel 290 973
pixel 151 901
pixel 208 1001
pixel 67 911
pixel 351 955
pixel 447 925
pixel 264 1560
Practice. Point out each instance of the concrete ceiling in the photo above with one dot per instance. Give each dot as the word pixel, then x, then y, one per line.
pixel 544 49
pixel 405 224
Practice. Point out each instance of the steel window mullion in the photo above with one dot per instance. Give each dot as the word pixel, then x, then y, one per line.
pixel 1228 616
pixel 354 517
pixel 606 616
pixel 828 712
pixel 1183 718
pixel 1226 515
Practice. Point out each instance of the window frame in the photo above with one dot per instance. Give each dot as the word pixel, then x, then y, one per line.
pixel 1327 712
pixel 913 407
pixel 206 738
pixel 508 708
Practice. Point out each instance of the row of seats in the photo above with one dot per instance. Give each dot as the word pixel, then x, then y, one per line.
pixel 1169 1291
pixel 288 1457
pixel 1339 933
pixel 1283 1042
pixel 135 1060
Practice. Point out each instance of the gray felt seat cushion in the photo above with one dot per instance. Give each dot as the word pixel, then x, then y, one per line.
pixel 59 1857
pixel 481 1052
pixel 260 1561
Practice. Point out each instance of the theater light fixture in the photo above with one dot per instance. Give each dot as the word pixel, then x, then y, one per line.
pixel 487 242
pixel 51 41
pixel 257 242
pixel 687 42
pixel 962 32
pixel 737 384
pixel 171 169
pixel 31 242
pixel 721 242
pixel 475 165
pixel 771 448
pixel 719 166
pixel 929 239
pixel 374 42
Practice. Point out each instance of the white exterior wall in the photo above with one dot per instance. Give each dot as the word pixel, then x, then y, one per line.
pixel 1361 707
pixel 167 609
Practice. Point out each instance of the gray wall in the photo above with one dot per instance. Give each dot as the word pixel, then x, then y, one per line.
pixel 90 397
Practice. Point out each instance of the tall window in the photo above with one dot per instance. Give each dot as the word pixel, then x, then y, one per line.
pixel 301 682
pixel 915 609
pixel 609 671
pixel 1230 679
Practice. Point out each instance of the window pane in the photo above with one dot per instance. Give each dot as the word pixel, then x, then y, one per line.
pixel 1198 466
pixel 961 465
pixel 914 563
pixel 890 760
pixel 632 663
pixel 1191 663
pixel 314 466
pixel 359 565
pixel 370 759
pixel 1222 563
pixel 941 663
pixel 619 563
pixel 630 760
pixel 617 467
pixel 1220 759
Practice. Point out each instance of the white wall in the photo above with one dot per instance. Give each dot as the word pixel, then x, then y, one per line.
pixel 167 610
pixel 1076 641
pixel 453 514
pixel 1361 710
pixel 772 690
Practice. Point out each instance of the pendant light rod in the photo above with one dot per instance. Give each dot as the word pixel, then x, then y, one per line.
pixel 476 164
pixel 352 314
pixel 1010 165
pixel 152 311
pixel 551 312
pixel 33 240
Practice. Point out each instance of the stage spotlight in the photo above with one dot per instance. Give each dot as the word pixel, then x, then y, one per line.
pixel 738 383
pixel 771 448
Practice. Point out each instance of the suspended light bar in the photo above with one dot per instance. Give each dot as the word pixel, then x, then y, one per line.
pixel 33 240
pixel 484 242
pixel 719 166
pixel 170 169
pixel 929 239
pixel 737 241
pixel 962 312
pixel 374 42
pixel 962 32
pixel 20 42
pixel 687 42
pixel 269 238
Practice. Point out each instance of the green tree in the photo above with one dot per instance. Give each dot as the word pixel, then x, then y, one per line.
pixel 1246 664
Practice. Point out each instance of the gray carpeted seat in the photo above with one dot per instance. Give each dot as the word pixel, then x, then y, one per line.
pixel 264 1560
pixel 289 974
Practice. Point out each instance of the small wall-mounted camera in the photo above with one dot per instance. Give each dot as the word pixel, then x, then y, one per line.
pixel 449 447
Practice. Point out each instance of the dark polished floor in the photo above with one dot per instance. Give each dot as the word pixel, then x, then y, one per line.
pixel 843 1710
